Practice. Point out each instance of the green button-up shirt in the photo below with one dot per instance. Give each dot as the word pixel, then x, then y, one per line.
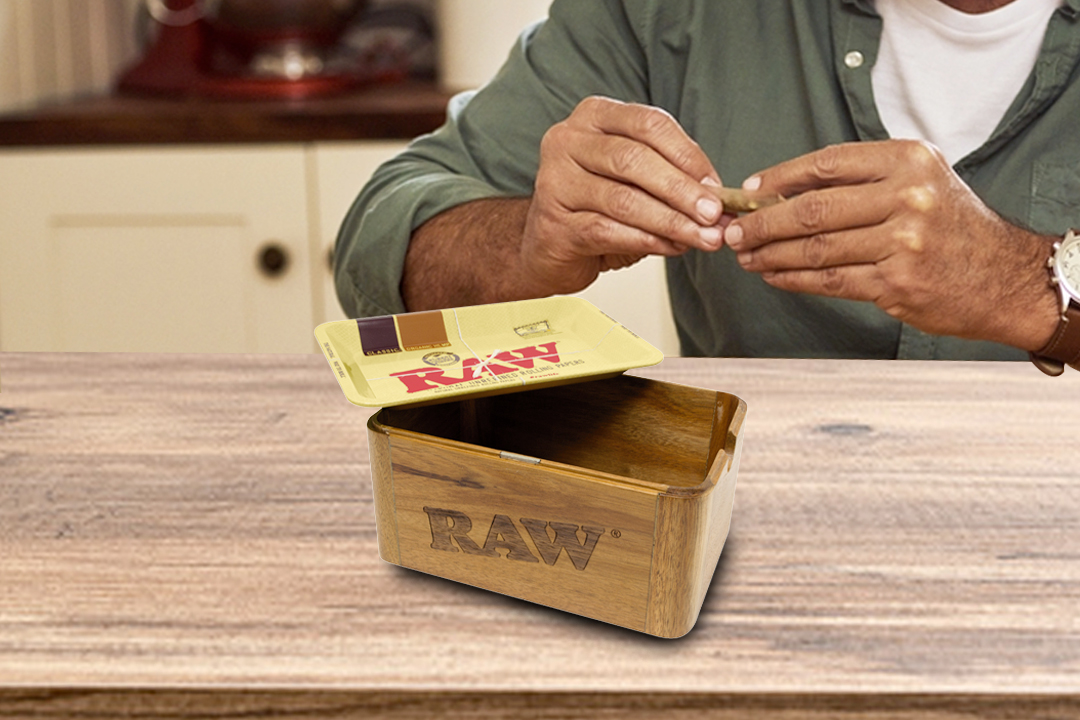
pixel 754 82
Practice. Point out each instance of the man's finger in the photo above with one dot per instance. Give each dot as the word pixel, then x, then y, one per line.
pixel 629 161
pixel 812 213
pixel 598 235
pixel 816 252
pixel 631 206
pixel 843 164
pixel 852 282
pixel 654 127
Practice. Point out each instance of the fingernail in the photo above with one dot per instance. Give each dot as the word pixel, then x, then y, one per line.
pixel 710 236
pixel 711 182
pixel 708 209
pixel 752 183
pixel 733 235
pixel 744 258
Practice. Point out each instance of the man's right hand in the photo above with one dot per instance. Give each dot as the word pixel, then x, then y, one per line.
pixel 616 182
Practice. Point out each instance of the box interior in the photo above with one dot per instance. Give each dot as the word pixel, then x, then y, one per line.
pixel 627 426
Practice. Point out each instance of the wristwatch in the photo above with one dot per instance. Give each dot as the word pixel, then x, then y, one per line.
pixel 1064 347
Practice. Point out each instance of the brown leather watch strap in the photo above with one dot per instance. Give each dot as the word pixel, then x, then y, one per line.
pixel 1064 347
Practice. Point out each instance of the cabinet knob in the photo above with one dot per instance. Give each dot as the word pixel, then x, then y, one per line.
pixel 273 260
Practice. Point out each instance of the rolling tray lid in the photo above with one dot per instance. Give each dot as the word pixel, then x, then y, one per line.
pixel 442 355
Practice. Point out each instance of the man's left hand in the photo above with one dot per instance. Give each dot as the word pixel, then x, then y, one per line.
pixel 891 223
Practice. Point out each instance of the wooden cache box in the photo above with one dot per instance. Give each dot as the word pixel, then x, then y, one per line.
pixel 611 499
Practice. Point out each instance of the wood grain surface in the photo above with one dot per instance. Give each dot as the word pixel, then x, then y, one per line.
pixel 193 536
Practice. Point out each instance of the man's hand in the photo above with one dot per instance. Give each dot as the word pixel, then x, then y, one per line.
pixel 616 182
pixel 891 223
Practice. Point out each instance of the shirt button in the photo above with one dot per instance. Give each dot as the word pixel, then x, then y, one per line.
pixel 853 59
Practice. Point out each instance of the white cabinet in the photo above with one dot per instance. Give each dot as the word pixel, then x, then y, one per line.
pixel 154 250
pixel 165 250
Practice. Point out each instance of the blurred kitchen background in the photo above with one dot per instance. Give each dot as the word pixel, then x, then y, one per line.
pixel 203 220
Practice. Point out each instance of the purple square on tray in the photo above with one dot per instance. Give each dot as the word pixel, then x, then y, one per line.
pixel 378 335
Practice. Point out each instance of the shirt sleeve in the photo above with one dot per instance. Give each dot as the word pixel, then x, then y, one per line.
pixel 489 145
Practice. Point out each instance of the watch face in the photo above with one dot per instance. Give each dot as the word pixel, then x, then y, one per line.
pixel 1068 266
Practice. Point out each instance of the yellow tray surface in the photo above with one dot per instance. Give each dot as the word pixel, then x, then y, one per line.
pixel 448 354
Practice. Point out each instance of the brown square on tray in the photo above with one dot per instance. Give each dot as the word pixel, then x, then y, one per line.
pixel 423 330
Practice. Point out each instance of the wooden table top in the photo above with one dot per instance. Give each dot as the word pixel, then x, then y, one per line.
pixel 390 111
pixel 187 536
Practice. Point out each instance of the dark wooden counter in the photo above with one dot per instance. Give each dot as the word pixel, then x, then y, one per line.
pixel 193 537
pixel 382 112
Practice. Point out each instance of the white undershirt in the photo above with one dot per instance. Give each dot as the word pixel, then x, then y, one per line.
pixel 948 77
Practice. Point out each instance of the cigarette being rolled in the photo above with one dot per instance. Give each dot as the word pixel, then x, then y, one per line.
pixel 737 200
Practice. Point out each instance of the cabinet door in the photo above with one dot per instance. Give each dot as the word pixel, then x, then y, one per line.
pixel 154 250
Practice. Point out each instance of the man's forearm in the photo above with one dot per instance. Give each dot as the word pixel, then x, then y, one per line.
pixel 468 255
